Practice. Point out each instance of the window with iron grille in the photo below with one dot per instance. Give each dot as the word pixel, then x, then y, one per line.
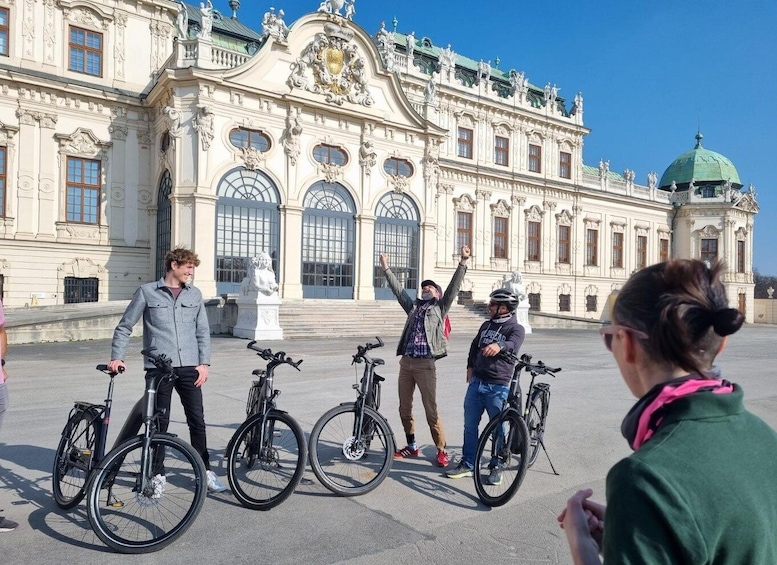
pixel 81 289
pixel 501 151
pixel 4 31
pixel 330 154
pixel 463 230
pixel 565 165
pixel 242 137
pixel 617 249
pixel 533 241
pixel 740 256
pixel 500 237
pixel 465 143
pixel 534 301
pixel 86 52
pixel 564 302
pixel 663 249
pixel 590 303
pixel 641 251
pixel 535 158
pixel 564 245
pixel 83 190
pixel 398 167
pixel 2 181
pixel 591 247
pixel 709 249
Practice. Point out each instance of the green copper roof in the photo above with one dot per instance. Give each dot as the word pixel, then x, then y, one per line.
pixel 700 165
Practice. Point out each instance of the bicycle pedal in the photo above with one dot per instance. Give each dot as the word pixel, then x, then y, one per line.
pixel 86 452
pixel 115 504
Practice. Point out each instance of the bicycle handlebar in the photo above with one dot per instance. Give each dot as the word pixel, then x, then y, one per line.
pixel 361 350
pixel 278 358
pixel 160 360
pixel 104 368
pixel 524 361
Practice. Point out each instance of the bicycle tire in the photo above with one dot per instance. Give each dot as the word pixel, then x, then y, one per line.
pixel 345 464
pixel 264 475
pixel 130 521
pixel 535 422
pixel 74 457
pixel 496 449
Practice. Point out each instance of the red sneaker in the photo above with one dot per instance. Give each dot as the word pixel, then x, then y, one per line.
pixel 442 458
pixel 406 452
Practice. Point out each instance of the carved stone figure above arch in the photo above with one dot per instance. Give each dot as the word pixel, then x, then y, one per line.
pixel 564 218
pixel 534 214
pixel 465 203
pixel 82 143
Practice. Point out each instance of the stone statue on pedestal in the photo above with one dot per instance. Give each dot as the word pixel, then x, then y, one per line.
pixel 258 306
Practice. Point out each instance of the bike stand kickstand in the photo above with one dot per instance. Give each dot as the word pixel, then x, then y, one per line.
pixel 542 443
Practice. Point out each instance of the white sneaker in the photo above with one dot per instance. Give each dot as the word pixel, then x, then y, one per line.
pixel 158 482
pixel 214 484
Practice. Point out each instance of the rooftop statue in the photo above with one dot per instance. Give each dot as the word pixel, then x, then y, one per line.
pixel 447 57
pixel 410 43
pixel 206 19
pixel 182 21
pixel 350 9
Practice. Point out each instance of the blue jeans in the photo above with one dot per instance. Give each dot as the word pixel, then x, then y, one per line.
pixel 480 396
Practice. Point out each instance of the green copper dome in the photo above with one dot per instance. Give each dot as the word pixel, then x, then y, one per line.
pixel 700 166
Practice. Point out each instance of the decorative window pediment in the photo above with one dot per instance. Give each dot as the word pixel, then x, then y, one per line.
pixel 83 12
pixel 464 204
pixel 466 120
pixel 564 218
pixel 709 232
pixel 592 223
pixel 501 208
pixel 641 229
pixel 82 143
pixel 534 214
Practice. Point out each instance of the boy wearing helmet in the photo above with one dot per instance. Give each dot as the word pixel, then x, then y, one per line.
pixel 488 375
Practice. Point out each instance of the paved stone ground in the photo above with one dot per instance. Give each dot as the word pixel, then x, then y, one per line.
pixel 416 515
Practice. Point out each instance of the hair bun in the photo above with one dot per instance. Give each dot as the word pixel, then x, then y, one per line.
pixel 727 321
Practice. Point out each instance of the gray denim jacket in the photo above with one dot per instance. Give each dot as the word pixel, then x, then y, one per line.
pixel 177 328
pixel 435 314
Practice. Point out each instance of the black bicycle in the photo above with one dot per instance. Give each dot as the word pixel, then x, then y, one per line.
pixel 352 445
pixel 512 439
pixel 147 491
pixel 266 455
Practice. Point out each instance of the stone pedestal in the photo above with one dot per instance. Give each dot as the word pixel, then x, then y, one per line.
pixel 258 317
pixel 522 314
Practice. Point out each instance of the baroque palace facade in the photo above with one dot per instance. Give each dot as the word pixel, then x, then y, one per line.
pixel 130 127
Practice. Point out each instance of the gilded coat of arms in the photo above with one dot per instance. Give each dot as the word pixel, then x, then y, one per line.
pixel 332 66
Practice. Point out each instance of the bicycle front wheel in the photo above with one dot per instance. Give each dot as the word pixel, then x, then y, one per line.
pixel 73 460
pixel 501 457
pixel 538 412
pixel 266 460
pixel 131 513
pixel 348 461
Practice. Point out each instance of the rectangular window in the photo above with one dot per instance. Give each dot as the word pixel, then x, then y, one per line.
pixel 4 31
pixel 535 158
pixel 500 238
pixel 564 245
pixel 564 303
pixel 709 249
pixel 3 175
pixel 465 143
pixel 83 190
pixel 663 249
pixel 641 251
pixel 590 303
pixel 501 151
pixel 534 301
pixel 617 249
pixel 81 290
pixel 463 230
pixel 86 52
pixel 565 165
pixel 534 241
pixel 740 256
pixel 591 247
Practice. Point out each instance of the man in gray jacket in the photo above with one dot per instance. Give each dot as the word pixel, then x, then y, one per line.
pixel 421 344
pixel 175 324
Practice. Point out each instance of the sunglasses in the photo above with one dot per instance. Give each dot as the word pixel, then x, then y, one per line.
pixel 607 332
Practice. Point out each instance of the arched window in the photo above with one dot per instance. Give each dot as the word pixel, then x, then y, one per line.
pixel 330 154
pixel 328 243
pixel 398 167
pixel 397 233
pixel 242 137
pixel 247 222
pixel 164 216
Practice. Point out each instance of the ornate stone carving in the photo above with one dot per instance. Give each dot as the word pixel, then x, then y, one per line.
pixel 533 214
pixel 367 156
pixel 447 58
pixel 331 65
pixel 81 267
pixel 118 132
pixel 82 142
pixel 291 138
pixel 398 183
pixel 173 119
pixel 464 204
pixel 564 218
pixel 274 26
pixel 652 179
pixel 385 40
pixel 117 194
pixel 252 158
pixel 501 209
pixel 203 124
pixel 332 172
pixel 708 232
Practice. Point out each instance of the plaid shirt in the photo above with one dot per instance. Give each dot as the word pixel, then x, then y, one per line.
pixel 416 345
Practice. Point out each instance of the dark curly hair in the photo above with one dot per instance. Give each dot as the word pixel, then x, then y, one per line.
pixel 682 306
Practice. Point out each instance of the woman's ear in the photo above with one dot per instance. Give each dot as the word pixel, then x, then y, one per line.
pixel 722 345
pixel 629 344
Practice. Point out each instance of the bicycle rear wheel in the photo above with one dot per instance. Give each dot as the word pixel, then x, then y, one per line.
pixel 73 460
pixel 349 463
pixel 538 412
pixel 131 519
pixel 266 460
pixel 500 458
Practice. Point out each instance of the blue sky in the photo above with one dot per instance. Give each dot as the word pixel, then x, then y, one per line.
pixel 650 73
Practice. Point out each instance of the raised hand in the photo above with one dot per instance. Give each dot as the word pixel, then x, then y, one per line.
pixel 384 261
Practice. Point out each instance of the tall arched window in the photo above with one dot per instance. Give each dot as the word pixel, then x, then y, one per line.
pixel 164 217
pixel 328 242
pixel 397 230
pixel 247 222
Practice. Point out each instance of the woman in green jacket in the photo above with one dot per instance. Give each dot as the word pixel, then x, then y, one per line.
pixel 701 485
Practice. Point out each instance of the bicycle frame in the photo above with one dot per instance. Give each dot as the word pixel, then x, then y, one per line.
pixel 369 387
